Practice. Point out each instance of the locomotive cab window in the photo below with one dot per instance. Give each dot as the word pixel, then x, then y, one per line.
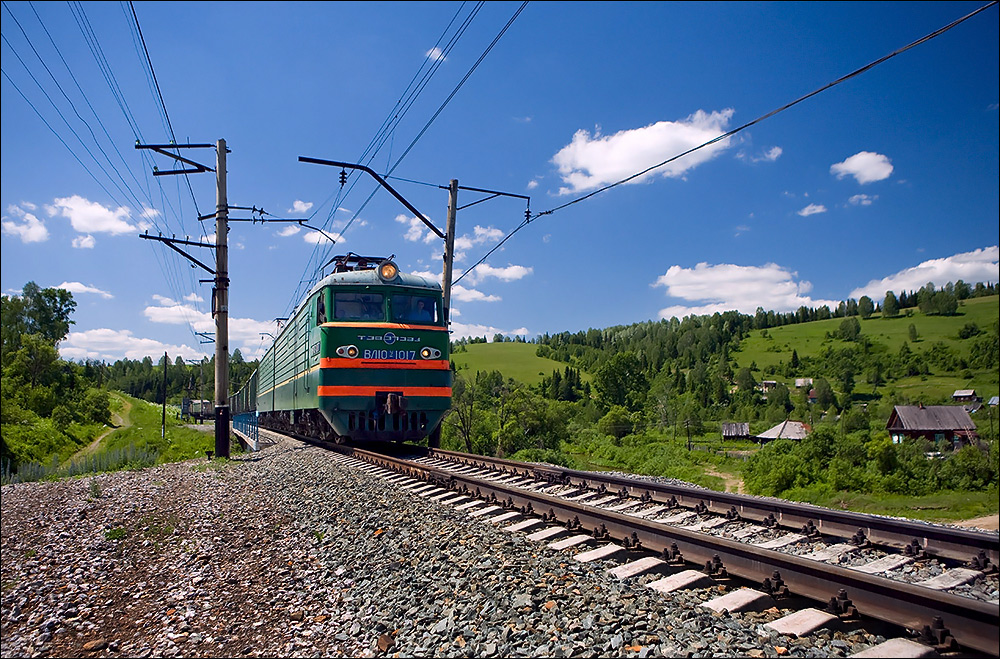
pixel 415 309
pixel 358 306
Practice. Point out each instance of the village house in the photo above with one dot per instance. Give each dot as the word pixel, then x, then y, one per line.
pixel 785 430
pixel 803 382
pixel 936 423
pixel 735 431
pixel 966 396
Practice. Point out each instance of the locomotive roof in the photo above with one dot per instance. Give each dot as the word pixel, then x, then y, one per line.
pixel 371 278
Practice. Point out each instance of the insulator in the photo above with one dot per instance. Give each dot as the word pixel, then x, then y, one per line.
pixel 343 177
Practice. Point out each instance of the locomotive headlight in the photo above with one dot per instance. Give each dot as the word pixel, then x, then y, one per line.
pixel 348 351
pixel 430 353
pixel 387 271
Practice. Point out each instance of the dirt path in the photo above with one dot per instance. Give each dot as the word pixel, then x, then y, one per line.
pixel 990 522
pixel 123 420
pixel 733 483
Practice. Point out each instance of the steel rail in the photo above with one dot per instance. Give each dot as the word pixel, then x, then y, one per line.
pixel 973 624
pixel 940 541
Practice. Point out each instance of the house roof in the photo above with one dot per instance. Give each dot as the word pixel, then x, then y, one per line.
pixel 964 392
pixel 786 430
pixel 994 401
pixel 930 417
pixel 735 429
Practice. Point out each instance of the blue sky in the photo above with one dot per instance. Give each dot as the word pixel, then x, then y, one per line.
pixel 884 182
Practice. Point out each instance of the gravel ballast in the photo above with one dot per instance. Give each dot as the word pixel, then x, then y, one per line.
pixel 289 552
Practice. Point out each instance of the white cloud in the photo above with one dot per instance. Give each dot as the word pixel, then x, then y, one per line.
pixel 865 167
pixel 981 265
pixel 863 199
pixel 30 229
pixel 300 206
pixel 510 273
pixel 590 161
pixel 770 155
pixel 532 184
pixel 435 54
pixel 314 237
pixel 463 294
pixel 77 287
pixel 194 297
pixel 84 242
pixel 464 331
pixel 727 287
pixel 150 213
pixel 244 333
pixel 812 209
pixel 112 345
pixel 91 217
pixel 290 230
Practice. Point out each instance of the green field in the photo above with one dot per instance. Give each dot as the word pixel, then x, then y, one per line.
pixel 514 360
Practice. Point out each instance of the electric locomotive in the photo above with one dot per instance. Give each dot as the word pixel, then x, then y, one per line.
pixel 364 357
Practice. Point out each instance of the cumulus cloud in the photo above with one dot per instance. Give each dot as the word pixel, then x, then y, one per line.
pixel 78 288
pixel 300 206
pixel 194 297
pixel 728 287
pixel 532 184
pixel 244 333
pixel 314 237
pixel 84 242
pixel 112 345
pixel 87 216
pixel 865 167
pixel 812 209
pixel 416 230
pixel 27 226
pixel 590 161
pixel 463 294
pixel 981 265
pixel 862 200
pixel 484 271
pixel 469 331
pixel 435 54
pixel 770 155
pixel 290 230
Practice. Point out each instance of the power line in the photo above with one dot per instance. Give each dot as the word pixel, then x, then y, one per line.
pixel 430 121
pixel 729 134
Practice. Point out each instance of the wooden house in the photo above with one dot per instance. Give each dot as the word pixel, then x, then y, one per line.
pixel 966 396
pixel 785 430
pixel 937 423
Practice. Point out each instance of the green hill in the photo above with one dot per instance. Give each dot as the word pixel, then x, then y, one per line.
pixel 772 347
pixel 514 360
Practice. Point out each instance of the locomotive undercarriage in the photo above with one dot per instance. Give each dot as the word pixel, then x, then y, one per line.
pixel 399 426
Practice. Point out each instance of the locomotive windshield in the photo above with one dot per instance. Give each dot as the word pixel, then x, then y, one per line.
pixel 414 308
pixel 358 306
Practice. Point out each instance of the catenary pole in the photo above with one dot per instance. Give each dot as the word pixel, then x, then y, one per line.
pixel 221 305
pixel 449 247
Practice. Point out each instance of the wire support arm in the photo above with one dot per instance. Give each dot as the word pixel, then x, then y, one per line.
pixel 381 181
pixel 170 242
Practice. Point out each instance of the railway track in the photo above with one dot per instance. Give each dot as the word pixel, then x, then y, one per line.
pixel 779 551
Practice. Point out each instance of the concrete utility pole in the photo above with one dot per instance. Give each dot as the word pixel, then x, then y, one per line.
pixel 221 303
pixel 163 428
pixel 449 247
pixel 220 290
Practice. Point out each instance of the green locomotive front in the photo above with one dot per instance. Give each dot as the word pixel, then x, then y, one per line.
pixel 364 357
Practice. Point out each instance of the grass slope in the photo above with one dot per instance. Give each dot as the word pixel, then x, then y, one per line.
pixel 514 360
pixel 809 339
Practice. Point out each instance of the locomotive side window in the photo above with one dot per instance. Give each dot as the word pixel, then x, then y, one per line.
pixel 414 308
pixel 321 308
pixel 358 306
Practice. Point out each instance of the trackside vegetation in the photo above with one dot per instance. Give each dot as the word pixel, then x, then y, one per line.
pixel 651 398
